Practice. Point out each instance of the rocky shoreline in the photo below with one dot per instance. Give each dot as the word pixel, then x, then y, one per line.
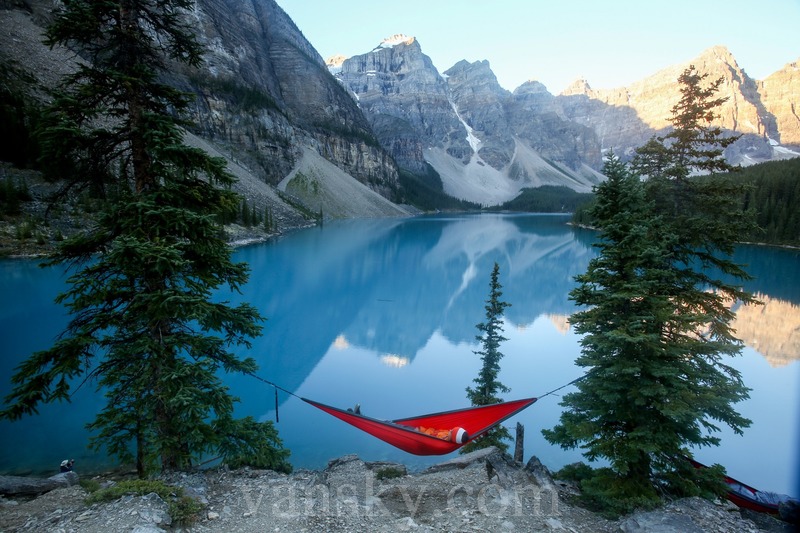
pixel 481 491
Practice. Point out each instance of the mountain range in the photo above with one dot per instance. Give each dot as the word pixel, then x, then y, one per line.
pixel 487 143
pixel 336 137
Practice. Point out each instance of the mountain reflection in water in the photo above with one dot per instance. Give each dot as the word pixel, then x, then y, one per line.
pixel 771 329
pixel 383 313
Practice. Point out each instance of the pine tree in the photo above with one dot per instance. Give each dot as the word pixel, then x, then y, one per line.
pixel 657 323
pixel 705 211
pixel 144 325
pixel 246 218
pixel 694 144
pixel 487 384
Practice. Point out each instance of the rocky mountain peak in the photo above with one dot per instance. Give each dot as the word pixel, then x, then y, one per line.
pixel 533 96
pixel 476 66
pixel 334 63
pixel 397 87
pixel 579 86
pixel 626 117
pixel 718 53
pixel 396 39
pixel 479 74
pixel 479 101
pixel 475 78
pixel 531 87
pixel 484 144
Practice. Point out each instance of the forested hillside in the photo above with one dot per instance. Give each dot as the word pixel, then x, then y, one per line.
pixel 775 197
pixel 772 191
pixel 548 199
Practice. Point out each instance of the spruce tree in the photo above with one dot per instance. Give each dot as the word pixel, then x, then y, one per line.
pixel 144 325
pixel 657 323
pixel 695 144
pixel 616 414
pixel 487 384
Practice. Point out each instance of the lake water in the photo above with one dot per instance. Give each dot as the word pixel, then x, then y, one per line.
pixel 383 313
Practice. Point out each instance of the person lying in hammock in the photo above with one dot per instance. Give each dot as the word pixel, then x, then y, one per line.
pixel 456 434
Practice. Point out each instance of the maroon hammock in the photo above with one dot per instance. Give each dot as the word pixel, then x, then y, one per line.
pixel 402 433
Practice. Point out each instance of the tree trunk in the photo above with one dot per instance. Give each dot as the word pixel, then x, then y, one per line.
pixel 519 445
pixel 140 444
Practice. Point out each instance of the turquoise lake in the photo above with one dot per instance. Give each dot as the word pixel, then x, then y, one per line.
pixel 383 313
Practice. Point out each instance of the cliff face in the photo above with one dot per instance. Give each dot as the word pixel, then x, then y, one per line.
pixel 265 92
pixel 780 94
pixel 535 115
pixel 264 96
pixel 481 103
pixel 406 100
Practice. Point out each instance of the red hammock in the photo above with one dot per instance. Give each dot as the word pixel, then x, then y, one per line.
pixel 402 433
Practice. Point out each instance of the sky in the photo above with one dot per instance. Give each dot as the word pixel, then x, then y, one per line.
pixel 610 43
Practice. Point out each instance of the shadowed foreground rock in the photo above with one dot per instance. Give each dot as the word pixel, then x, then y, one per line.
pixel 30 486
pixel 482 491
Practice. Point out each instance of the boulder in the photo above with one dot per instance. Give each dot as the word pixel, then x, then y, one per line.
pixel 462 461
pixel 539 473
pixel 31 486
pixel 688 515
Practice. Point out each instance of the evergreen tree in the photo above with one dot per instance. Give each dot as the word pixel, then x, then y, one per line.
pixel 658 320
pixel 18 115
pixel 246 218
pixel 652 158
pixel 616 413
pixel 144 325
pixel 487 385
pixel 694 144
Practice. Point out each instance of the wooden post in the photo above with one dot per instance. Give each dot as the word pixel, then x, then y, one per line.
pixel 520 444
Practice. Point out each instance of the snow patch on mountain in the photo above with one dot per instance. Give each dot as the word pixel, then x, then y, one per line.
pixel 472 139
pixel 334 63
pixel 394 40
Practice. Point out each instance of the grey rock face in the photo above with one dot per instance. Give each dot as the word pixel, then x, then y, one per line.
pixel 406 99
pixel 263 94
pixel 420 115
pixel 481 102
pixel 265 91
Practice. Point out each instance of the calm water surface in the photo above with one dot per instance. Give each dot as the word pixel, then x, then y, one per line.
pixel 383 313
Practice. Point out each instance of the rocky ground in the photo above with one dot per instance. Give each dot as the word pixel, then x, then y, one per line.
pixel 483 491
